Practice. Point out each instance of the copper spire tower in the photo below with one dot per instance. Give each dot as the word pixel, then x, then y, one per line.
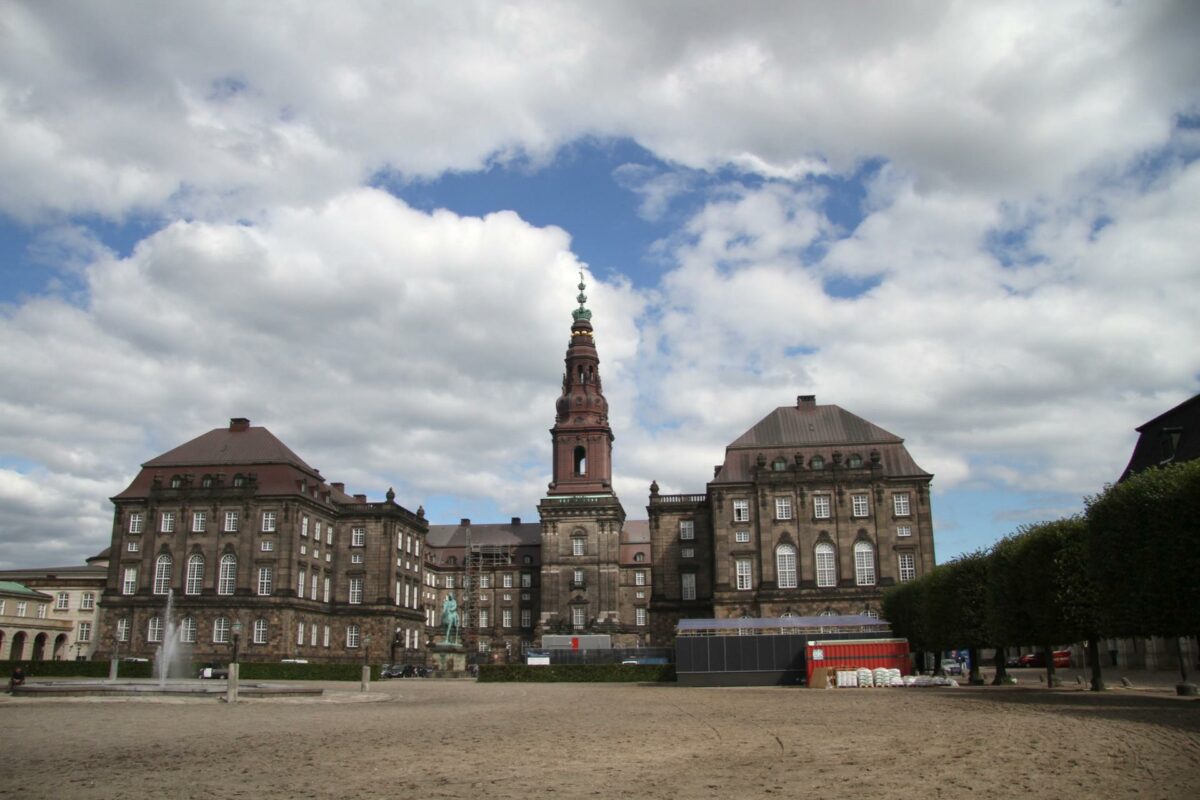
pixel 581 435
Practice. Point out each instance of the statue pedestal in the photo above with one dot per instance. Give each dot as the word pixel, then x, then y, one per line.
pixel 449 656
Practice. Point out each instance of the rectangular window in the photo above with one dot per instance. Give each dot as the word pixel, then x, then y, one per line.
pixel 639 577
pixel 859 506
pixel 135 522
pixel 133 546
pixel 640 595
pixel 304 525
pixel 526 580
pixel 416 552
pixel 506 580
pixel 356 591
pixel 326 638
pixel 313 585
pixel 268 522
pixel 21 607
pixel 317 531
pixel 864 565
pixel 903 530
pixel 358 537
pixel 484 618
pixel 87 602
pixel 356 558
pixel 743 574
pixel 821 506
pixel 900 504
pixel 267 545
pixel 506 617
pixel 578 616
pixel 526 618
pixel 41 610
pixel 266 579
pixel 449 581
pixel 62 601
pixel 783 508
pixel 908 567
pixel 312 638
pixel 741 537
pixel 166 522
pixel 329 534
pixel 687 552
pixel 639 616
pixel 351 636
pixel 688 585
pixel 260 631
pixel 129 584
pixel 123 629
pixel 578 579
pixel 199 521
pixel 485 581
pixel 741 510
pixel 578 546
pixel 231 521
pixel 154 630
pixel 303 549
pixel 687 529
pixel 325 594
pixel 302 578
pixel 300 633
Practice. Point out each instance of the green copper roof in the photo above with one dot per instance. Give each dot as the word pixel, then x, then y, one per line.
pixel 581 312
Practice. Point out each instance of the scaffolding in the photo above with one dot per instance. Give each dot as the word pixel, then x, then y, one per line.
pixel 478 560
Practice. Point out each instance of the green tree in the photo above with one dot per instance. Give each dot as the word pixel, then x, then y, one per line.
pixel 904 608
pixel 956 609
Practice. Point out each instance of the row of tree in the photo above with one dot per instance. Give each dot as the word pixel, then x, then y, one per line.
pixel 1128 567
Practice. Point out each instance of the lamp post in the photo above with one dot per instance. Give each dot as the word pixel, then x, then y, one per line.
pixel 237 637
pixel 231 683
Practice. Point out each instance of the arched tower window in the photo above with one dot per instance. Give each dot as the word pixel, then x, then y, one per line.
pixel 826 565
pixel 580 460
pixel 785 566
pixel 864 564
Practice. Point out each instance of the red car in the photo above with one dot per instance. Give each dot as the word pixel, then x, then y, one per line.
pixel 1062 658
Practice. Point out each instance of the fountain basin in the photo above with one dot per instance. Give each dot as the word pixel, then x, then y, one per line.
pixel 100 688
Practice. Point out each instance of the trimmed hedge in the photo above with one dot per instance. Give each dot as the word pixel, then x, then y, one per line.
pixel 578 673
pixel 77 669
pixel 269 671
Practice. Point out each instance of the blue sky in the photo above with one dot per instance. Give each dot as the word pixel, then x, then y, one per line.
pixel 971 225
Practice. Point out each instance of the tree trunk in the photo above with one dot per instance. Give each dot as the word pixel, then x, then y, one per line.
pixel 1051 677
pixel 1001 667
pixel 1183 675
pixel 1093 654
pixel 975 679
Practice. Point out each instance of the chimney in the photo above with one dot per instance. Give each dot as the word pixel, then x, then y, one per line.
pixel 516 521
pixel 341 487
pixel 806 400
pixel 238 424
pixel 465 522
pixel 360 498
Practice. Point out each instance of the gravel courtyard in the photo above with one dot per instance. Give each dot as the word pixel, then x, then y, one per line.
pixel 442 739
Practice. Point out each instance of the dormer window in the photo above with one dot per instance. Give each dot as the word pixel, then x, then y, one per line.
pixel 239 480
pixel 779 464
pixel 176 481
pixel 816 462
pixel 855 461
pixel 206 481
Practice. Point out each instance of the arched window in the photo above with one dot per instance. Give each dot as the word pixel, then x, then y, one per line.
pixel 227 574
pixel 221 630
pixel 639 557
pixel 578 544
pixel 779 464
pixel 154 630
pixel 826 565
pixel 260 631
pixel 817 463
pixel 195 574
pixel 785 566
pixel 864 564
pixel 580 460
pixel 187 630
pixel 162 574
pixel 855 461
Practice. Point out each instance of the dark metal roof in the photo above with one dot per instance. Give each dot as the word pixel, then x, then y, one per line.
pixel 228 447
pixel 814 624
pixel 1171 437
pixel 503 533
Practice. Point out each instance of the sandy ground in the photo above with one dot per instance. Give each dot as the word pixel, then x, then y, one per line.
pixel 440 739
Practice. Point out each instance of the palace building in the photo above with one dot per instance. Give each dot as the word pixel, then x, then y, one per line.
pixel 813 511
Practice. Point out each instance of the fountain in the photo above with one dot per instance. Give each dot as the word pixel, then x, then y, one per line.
pixel 173 657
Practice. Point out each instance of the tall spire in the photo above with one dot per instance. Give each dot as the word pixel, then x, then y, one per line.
pixel 581 435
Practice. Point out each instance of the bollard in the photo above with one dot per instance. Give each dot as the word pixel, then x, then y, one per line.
pixel 231 684
pixel 366 678
pixel 112 671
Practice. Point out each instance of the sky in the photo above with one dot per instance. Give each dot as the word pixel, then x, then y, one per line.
pixel 361 226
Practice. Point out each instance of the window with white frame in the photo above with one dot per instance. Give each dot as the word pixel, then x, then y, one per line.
pixel 358 537
pixel 266 580
pixel 267 545
pixel 41 610
pixel 166 522
pixel 741 510
pixel 864 564
pixel 826 565
pixel 526 580
pixel 187 630
pixel 351 636
pixel 259 631
pixel 908 567
pixel 506 618
pixel 357 558
pixel 821 506
pixel 62 601
pixel 21 608
pixel 154 630
pixel 859 505
pixel 687 552
pixel 485 619
pixel 870 612
pixel 303 549
pixel 485 581
pixel 268 522
pixel 526 618
pixel 129 582
pixel 578 546
pixel 162 574
pixel 325 637
pixel 301 582
pixel 123 629
pixel 639 616
pixel 87 601
pixel 577 579
pixel 783 508
pixel 299 633
pixel 221 630
pixel 741 537
pixel 231 521
pixel 507 580
pixel 449 581
pixel 199 521
pixel 356 591
pixel 133 546
pixel 136 520
pixel 639 577
pixel 900 505
pixel 785 566
pixel 195 574
pixel 903 530
pixel 85 632
pixel 304 525
pixel 687 585
pixel 317 532
pixel 329 535
pixel 325 594
pixel 312 636
pixel 742 570
pixel 485 646
pixel 578 616
pixel 313 586
pixel 227 574
pixel 687 529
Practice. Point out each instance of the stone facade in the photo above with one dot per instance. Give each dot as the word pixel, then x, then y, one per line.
pixel 75 608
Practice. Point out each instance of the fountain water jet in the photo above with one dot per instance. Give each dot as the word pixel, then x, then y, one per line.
pixel 173 656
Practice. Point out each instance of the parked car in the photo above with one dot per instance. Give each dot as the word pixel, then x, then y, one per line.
pixel 1062 658
pixel 951 667
pixel 213 670
pixel 403 671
